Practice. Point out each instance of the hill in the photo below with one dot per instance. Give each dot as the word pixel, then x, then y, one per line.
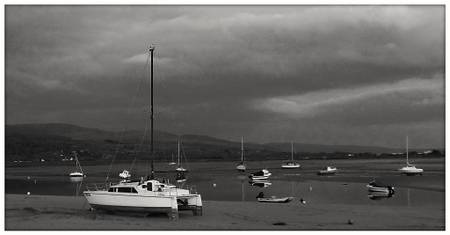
pixel 54 141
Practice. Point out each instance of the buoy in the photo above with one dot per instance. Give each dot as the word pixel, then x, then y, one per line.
pixel 350 222
pixel 214 185
pixel 28 193
pixel 302 201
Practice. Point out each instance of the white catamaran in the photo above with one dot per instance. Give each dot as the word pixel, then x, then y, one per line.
pixel 291 164
pixel 241 166
pixel 148 195
pixel 409 169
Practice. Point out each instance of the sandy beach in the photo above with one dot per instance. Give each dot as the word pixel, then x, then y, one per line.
pixel 37 212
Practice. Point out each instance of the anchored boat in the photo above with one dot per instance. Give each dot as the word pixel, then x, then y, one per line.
pixel 78 174
pixel 273 199
pixel 150 195
pixel 409 169
pixel 263 174
pixel 377 187
pixel 291 164
pixel 330 170
pixel 180 168
pixel 241 166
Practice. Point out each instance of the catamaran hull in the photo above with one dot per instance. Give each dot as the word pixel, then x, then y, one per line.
pixel 138 203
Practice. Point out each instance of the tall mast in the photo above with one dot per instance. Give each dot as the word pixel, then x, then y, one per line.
pixel 407 160
pixel 151 49
pixel 178 155
pixel 242 149
pixel 292 151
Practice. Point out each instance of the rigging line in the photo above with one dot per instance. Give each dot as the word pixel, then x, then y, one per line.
pixel 139 148
pixel 183 153
pixel 123 129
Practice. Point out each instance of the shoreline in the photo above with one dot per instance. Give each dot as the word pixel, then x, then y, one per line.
pixel 39 212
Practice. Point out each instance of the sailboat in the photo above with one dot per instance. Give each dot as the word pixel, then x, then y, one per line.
pixel 409 169
pixel 241 166
pixel 172 162
pixel 78 174
pixel 291 164
pixel 180 168
pixel 149 195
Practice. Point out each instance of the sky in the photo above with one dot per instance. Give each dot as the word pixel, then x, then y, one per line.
pixel 347 75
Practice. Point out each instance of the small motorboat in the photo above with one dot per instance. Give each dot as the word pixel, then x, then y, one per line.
pixel 380 188
pixel 273 199
pixel 260 175
pixel 260 183
pixel 330 170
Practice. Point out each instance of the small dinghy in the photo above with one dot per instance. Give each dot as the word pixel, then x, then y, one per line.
pixel 380 188
pixel 330 170
pixel 260 175
pixel 379 195
pixel 273 199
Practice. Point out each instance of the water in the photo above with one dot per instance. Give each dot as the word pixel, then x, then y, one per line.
pixel 232 186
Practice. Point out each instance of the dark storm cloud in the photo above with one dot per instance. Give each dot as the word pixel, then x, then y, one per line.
pixel 228 71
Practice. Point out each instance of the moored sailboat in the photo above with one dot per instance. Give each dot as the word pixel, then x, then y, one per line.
pixel 78 174
pixel 409 169
pixel 291 164
pixel 180 168
pixel 241 166
pixel 150 195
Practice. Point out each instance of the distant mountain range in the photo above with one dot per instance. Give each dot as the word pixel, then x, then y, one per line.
pixel 26 140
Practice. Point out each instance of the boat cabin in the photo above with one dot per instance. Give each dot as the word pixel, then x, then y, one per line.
pixel 135 187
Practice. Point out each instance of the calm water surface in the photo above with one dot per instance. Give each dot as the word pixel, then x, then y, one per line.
pixel 232 186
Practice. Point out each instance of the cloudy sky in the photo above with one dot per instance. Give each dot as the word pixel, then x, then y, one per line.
pixel 362 75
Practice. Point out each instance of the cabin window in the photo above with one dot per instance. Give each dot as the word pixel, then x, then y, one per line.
pixel 111 190
pixel 149 186
pixel 126 190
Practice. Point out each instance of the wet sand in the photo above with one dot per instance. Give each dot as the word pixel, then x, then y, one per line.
pixel 38 212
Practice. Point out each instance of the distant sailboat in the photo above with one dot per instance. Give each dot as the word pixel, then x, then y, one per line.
pixel 409 169
pixel 78 174
pixel 241 166
pixel 291 164
pixel 180 168
pixel 172 162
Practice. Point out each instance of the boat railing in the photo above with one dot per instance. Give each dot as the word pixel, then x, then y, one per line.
pixel 98 187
